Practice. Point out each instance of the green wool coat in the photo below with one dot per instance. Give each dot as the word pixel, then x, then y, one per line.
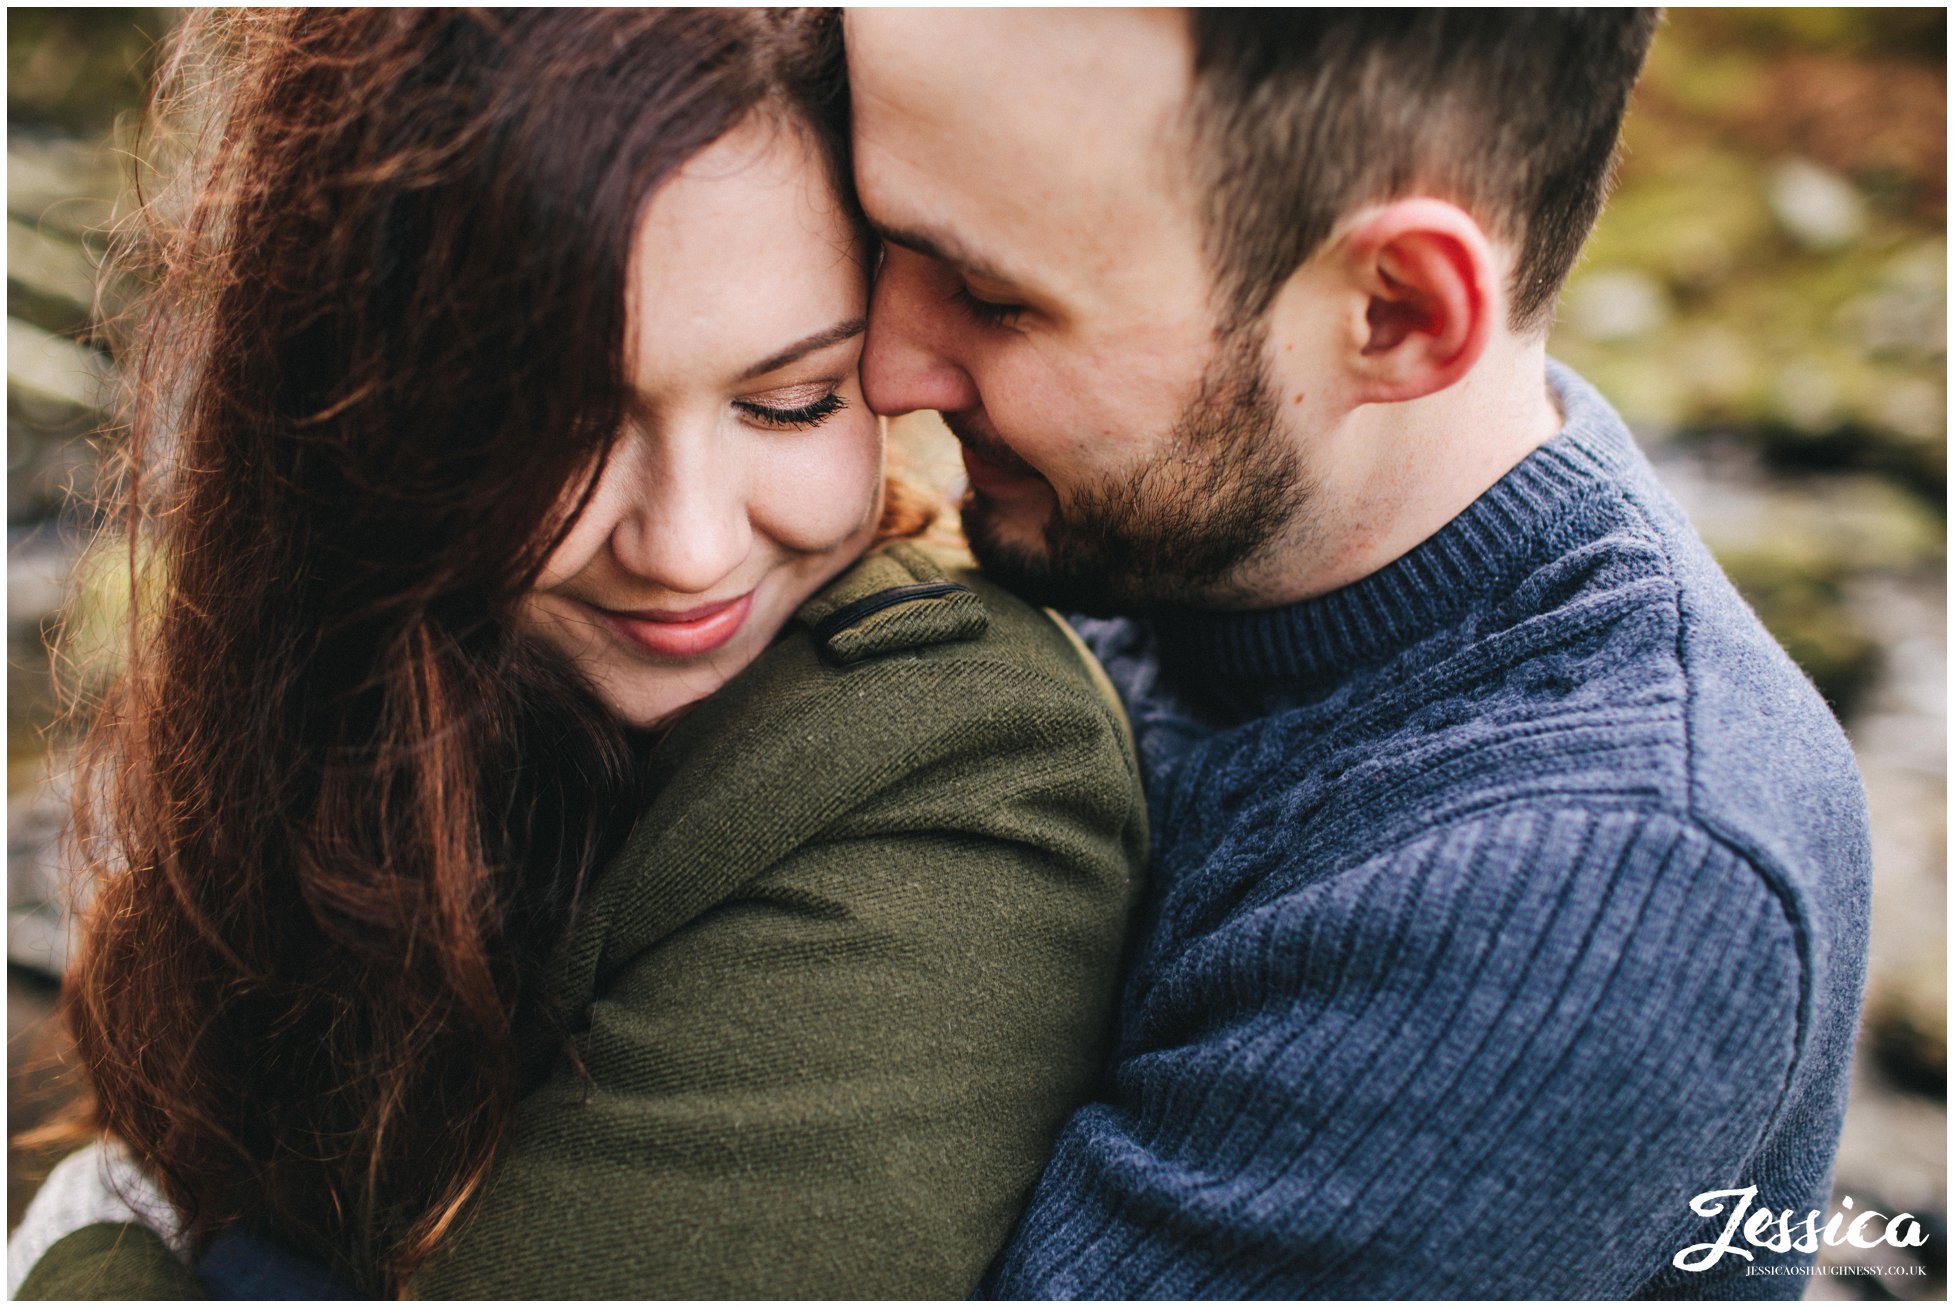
pixel 836 995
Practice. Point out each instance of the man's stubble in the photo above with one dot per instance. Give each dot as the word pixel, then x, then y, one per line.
pixel 1182 528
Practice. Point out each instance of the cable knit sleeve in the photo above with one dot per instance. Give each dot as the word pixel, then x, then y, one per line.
pixel 1488 1062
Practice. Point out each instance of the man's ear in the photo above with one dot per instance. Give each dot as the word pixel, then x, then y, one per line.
pixel 1426 276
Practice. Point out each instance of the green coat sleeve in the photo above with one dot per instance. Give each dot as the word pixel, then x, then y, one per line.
pixel 843 1078
pixel 110 1260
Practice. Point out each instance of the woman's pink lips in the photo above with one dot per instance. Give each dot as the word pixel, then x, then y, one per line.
pixel 989 478
pixel 684 634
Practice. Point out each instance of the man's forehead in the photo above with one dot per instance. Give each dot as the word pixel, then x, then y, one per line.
pixel 1050 38
pixel 1020 66
pixel 1041 119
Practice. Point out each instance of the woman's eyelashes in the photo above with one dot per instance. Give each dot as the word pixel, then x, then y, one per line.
pixel 798 416
pixel 988 313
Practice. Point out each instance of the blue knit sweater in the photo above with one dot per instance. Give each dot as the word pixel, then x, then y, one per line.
pixel 1504 901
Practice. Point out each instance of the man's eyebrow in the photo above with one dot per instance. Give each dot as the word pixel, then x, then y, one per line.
pixel 841 331
pixel 946 249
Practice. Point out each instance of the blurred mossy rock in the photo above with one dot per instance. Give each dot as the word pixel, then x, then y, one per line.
pixel 1822 403
pixel 1773 261
pixel 1829 362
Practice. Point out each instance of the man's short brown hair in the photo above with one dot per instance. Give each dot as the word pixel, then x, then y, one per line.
pixel 1300 116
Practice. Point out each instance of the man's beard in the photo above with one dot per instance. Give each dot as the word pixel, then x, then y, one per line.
pixel 1178 529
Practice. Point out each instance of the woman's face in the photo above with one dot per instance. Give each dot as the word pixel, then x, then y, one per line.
pixel 749 472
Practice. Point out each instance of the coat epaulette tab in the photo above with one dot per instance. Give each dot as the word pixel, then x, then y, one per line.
pixel 896 598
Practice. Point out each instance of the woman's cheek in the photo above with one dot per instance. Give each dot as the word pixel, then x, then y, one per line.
pixel 571 556
pixel 589 531
pixel 821 493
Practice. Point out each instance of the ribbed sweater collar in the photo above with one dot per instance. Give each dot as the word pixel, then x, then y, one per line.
pixel 1475 553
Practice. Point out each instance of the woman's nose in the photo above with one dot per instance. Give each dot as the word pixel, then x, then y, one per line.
pixel 685 528
pixel 910 360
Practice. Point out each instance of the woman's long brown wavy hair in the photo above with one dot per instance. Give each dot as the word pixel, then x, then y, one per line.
pixel 339 812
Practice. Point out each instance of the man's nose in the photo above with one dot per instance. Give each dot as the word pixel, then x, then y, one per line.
pixel 688 528
pixel 911 359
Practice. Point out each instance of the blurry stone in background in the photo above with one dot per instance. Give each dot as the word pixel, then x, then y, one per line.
pixel 1815 206
pixel 1617 305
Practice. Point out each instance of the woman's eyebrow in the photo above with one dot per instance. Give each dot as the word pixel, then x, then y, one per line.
pixel 841 331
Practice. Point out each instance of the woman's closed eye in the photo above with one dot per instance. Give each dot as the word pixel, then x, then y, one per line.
pixel 796 408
